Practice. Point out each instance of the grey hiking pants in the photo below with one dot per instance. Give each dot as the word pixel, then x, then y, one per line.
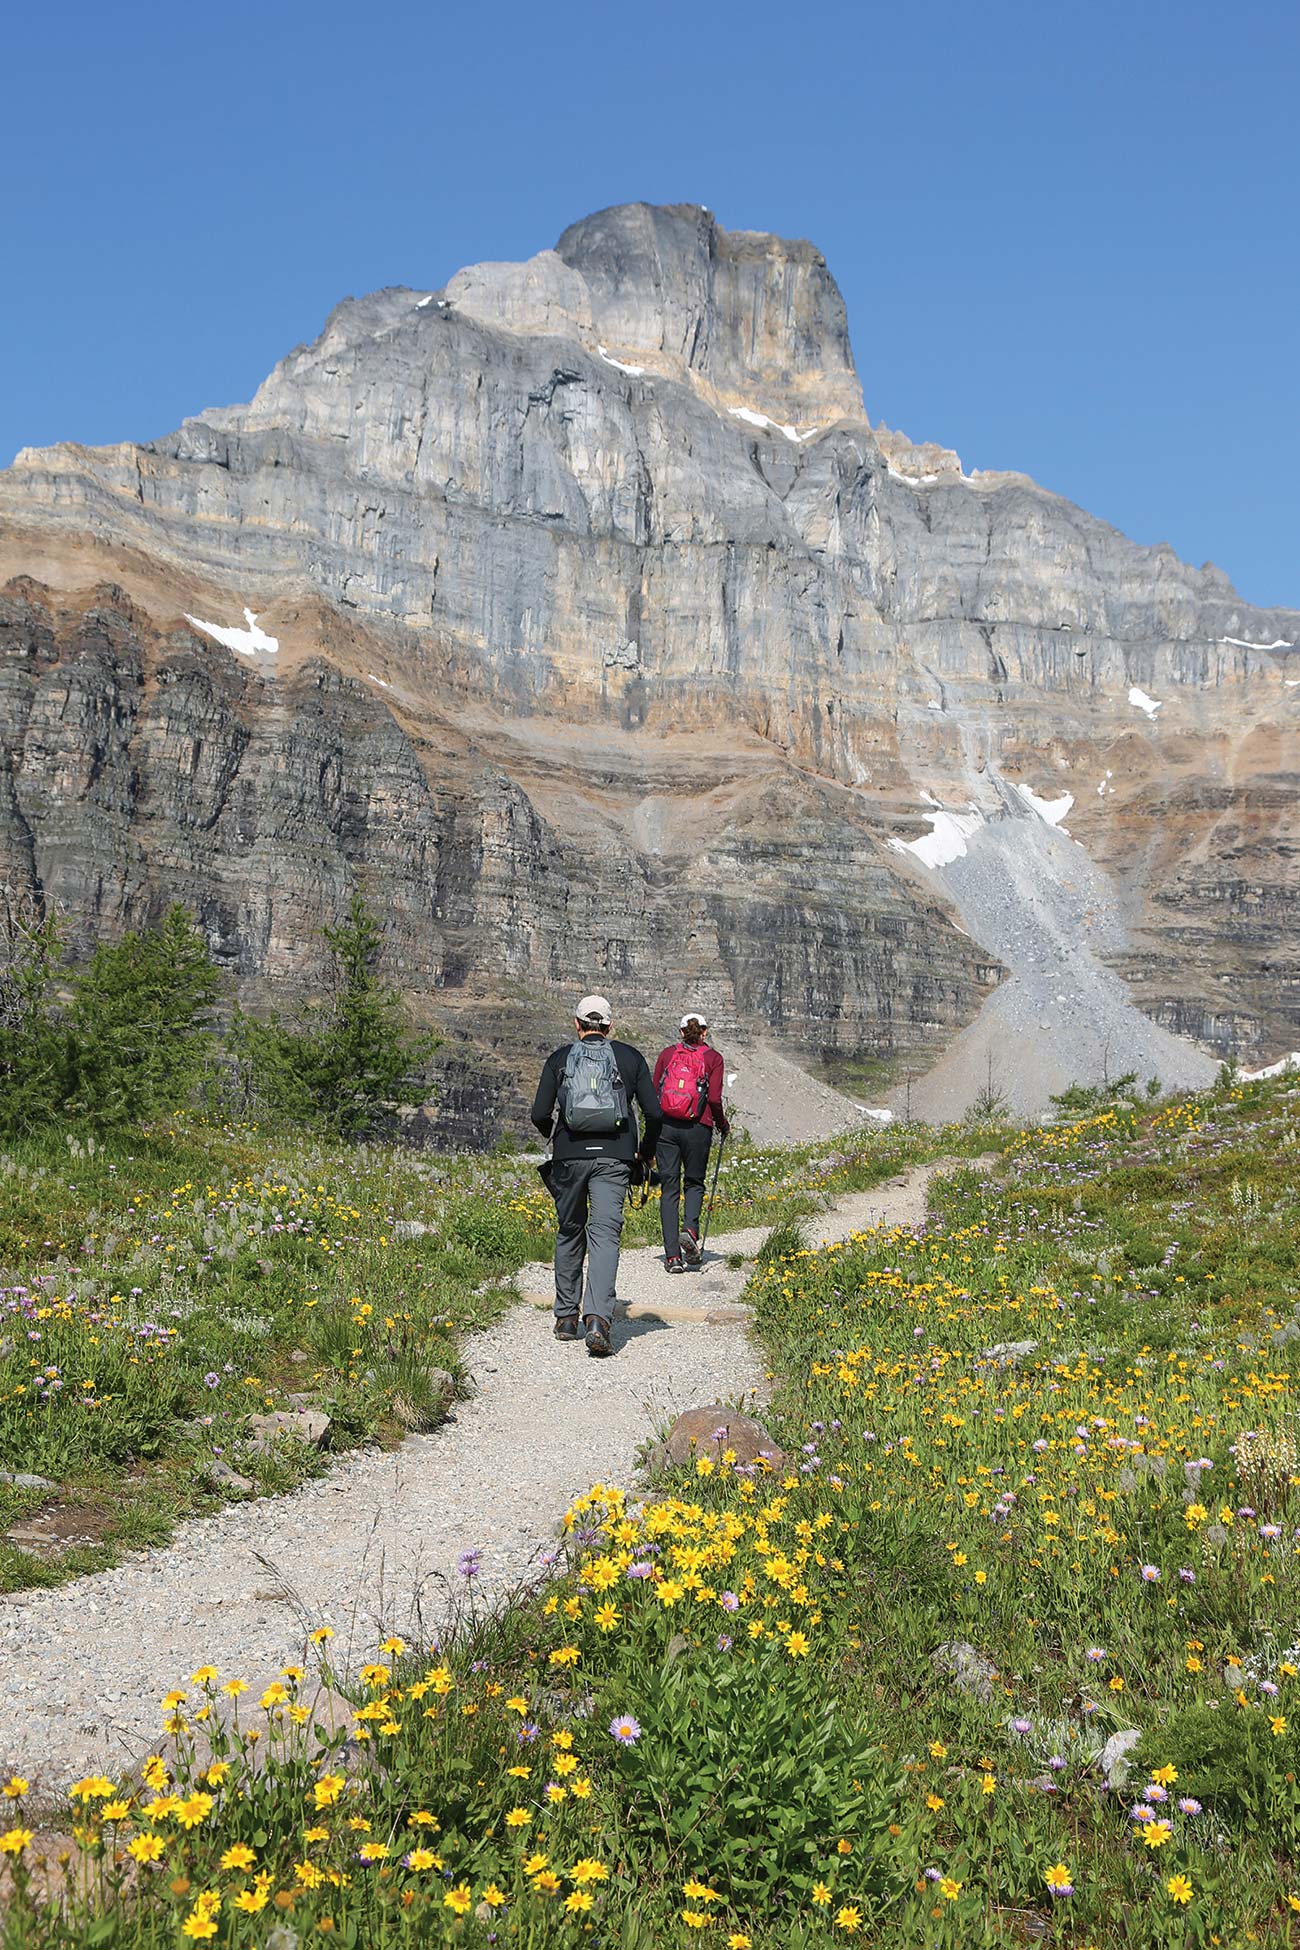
pixel 589 1195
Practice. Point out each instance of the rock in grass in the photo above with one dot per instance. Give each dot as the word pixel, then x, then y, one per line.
pixel 410 1229
pixel 1009 1354
pixel 710 1431
pixel 26 1479
pixel 969 1671
pixel 306 1424
pixel 229 1479
pixel 1113 1759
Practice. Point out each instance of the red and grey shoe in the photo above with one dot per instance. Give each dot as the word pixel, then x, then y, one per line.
pixel 691 1248
pixel 674 1264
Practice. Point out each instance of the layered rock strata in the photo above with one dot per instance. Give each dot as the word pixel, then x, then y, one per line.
pixel 612 644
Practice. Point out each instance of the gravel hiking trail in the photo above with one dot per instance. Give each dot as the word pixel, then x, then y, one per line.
pixel 373 1546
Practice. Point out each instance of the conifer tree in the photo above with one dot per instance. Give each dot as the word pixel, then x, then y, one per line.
pixel 139 1023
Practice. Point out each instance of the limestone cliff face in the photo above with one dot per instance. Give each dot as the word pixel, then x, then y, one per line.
pixel 591 584
pixel 139 769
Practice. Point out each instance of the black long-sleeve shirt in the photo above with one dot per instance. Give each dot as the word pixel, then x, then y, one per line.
pixel 635 1072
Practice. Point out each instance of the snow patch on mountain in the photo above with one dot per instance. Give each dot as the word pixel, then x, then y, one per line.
pixel 247 642
pixel 1051 810
pixel 754 419
pixel 1281 1068
pixel 633 372
pixel 946 841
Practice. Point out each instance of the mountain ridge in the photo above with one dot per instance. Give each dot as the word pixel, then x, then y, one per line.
pixel 634 486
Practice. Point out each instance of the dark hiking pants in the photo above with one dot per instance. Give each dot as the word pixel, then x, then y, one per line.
pixel 589 1195
pixel 682 1156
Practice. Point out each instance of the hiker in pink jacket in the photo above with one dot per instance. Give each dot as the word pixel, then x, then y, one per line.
pixel 688 1079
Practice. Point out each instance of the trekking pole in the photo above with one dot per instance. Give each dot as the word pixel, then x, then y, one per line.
pixel 713 1193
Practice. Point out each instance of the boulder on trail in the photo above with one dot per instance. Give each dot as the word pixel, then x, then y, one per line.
pixel 710 1431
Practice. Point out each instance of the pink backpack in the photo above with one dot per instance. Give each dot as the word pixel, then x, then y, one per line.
pixel 685 1087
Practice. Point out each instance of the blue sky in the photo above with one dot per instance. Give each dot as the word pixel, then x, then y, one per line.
pixel 1066 233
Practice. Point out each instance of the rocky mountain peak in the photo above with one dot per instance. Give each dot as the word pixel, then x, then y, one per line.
pixel 751 320
pixel 542 604
pixel 748 312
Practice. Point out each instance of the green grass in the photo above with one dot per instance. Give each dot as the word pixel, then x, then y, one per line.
pixel 996 1433
pixel 160 1288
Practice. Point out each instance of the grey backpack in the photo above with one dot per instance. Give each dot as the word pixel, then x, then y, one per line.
pixel 593 1096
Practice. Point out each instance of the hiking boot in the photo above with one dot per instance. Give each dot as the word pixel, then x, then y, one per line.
pixel 567 1327
pixel 598 1341
pixel 673 1264
pixel 691 1248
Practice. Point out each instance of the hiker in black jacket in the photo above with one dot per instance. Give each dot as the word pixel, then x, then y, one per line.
pixel 590 1091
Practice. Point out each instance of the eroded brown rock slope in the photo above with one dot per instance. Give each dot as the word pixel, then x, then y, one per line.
pixel 614 646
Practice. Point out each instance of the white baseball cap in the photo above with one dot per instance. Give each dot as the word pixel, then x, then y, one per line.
pixel 594 1005
pixel 694 1015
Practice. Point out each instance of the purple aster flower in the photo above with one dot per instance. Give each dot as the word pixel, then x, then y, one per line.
pixel 212 1381
pixel 1186 1576
pixel 1151 1574
pixel 625 1729
pixel 1096 1652
pixel 1189 1806
pixel 724 1643
pixel 467 1564
pixel 729 1601
pixel 1022 1726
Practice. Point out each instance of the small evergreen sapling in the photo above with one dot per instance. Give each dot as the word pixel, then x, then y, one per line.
pixel 139 1030
pixel 346 1072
